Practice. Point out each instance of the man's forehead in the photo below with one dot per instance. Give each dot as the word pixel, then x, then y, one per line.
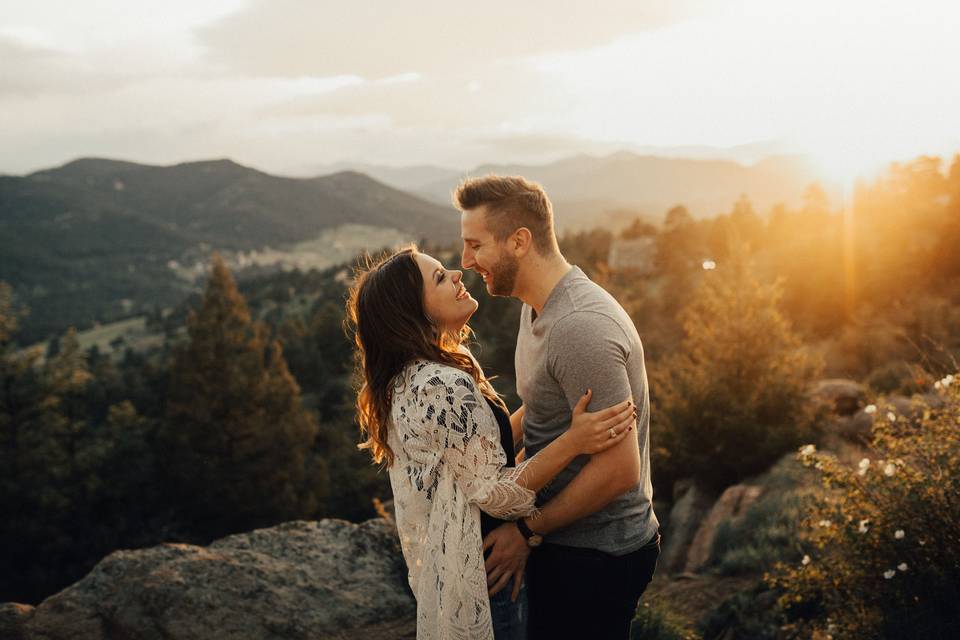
pixel 473 224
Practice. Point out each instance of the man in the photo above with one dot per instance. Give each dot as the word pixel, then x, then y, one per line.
pixel 596 541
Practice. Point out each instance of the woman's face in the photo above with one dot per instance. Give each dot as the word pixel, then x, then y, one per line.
pixel 445 299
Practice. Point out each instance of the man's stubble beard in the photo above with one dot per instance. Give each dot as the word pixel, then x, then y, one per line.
pixel 504 274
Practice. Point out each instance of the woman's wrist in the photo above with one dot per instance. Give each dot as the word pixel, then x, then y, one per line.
pixel 569 445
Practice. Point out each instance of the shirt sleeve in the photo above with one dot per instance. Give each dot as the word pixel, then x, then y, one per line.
pixel 469 443
pixel 589 350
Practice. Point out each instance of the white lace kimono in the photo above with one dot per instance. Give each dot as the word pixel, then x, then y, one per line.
pixel 449 464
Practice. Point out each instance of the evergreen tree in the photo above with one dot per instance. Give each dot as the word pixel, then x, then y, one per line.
pixel 43 420
pixel 732 398
pixel 236 439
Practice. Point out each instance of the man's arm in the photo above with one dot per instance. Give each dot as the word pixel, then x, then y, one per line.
pixel 606 476
pixel 590 350
pixel 593 357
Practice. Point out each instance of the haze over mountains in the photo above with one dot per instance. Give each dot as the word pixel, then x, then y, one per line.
pixel 589 190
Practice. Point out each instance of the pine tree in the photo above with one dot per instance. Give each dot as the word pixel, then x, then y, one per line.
pixel 732 399
pixel 43 420
pixel 236 439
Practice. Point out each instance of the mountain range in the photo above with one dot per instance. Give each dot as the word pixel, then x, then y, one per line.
pixel 608 190
pixel 97 239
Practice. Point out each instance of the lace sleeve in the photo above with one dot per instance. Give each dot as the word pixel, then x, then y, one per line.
pixel 469 442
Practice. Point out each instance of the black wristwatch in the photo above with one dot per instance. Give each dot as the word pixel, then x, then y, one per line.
pixel 533 539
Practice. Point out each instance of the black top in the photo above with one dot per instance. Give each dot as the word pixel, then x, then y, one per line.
pixel 487 522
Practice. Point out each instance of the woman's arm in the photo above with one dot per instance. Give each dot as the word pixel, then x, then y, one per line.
pixel 453 410
pixel 589 433
pixel 516 428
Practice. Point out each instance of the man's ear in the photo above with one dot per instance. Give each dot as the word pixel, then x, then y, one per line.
pixel 520 242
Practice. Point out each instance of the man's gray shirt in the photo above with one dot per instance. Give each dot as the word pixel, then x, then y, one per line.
pixel 583 339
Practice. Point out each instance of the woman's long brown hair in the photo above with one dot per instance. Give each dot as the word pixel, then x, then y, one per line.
pixel 390 329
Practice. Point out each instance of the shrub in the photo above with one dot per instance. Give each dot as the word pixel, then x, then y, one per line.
pixel 899 377
pixel 882 540
pixel 732 400
pixel 653 623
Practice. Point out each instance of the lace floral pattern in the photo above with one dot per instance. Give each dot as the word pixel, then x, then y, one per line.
pixel 448 465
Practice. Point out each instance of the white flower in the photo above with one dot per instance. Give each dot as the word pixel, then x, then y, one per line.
pixel 937 385
pixel 870 408
pixel 709 265
pixel 898 534
pixel 864 465
pixel 922 542
pixel 891 416
pixel 889 469
pixel 902 566
pixel 946 382
pixel 824 523
pixel 805 561
pixel 889 574
pixel 808 450
pixel 863 528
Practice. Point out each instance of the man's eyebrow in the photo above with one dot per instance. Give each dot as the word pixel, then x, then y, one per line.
pixel 466 239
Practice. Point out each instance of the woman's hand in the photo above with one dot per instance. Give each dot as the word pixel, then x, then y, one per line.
pixel 600 430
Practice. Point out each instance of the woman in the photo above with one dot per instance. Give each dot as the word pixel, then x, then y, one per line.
pixel 434 420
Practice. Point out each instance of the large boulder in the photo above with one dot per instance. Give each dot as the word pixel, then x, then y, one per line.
pixel 732 503
pixel 691 504
pixel 325 579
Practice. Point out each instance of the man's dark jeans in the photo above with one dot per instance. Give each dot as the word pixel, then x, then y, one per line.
pixel 585 593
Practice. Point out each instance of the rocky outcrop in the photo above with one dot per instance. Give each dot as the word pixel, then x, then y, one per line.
pixel 325 579
pixel 732 503
pixel 691 504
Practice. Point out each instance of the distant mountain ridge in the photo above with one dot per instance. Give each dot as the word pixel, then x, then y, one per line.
pixel 234 206
pixel 583 188
pixel 591 190
pixel 94 236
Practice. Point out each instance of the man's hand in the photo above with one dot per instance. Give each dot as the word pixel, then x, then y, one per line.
pixel 508 558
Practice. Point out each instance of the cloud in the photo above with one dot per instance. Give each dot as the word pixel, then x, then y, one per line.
pixel 32 70
pixel 379 39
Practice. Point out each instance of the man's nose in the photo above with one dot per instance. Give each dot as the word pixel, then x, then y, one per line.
pixel 466 259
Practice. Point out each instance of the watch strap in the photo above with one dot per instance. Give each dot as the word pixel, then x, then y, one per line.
pixel 524 529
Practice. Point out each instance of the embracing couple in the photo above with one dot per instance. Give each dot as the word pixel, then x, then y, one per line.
pixel 533 524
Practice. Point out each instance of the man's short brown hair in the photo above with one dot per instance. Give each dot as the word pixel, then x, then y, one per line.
pixel 512 202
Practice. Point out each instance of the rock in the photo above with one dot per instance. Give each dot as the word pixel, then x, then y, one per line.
pixel 854 428
pixel 930 400
pixel 843 396
pixel 857 427
pixel 325 579
pixel 691 504
pixel 732 503
pixel 13 617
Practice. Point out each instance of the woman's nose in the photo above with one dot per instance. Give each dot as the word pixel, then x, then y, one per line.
pixel 457 275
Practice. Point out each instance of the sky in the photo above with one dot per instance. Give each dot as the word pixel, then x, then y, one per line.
pixel 293 86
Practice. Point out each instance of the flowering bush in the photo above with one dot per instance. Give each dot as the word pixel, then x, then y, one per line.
pixel 882 540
